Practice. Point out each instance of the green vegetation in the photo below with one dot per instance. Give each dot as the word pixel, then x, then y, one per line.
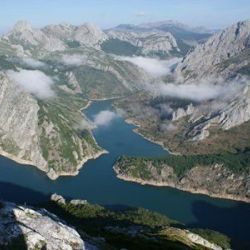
pixel 60 145
pixel 9 145
pixel 130 228
pixel 237 163
pixel 97 83
pixel 119 47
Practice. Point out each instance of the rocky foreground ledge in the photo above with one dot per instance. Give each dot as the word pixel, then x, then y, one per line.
pixel 97 227
pixel 23 227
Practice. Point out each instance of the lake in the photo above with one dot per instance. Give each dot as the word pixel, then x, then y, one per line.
pixel 97 183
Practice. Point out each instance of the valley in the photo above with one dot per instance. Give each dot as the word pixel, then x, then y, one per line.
pixel 147 116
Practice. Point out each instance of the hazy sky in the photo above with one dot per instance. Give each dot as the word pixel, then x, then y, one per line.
pixel 106 13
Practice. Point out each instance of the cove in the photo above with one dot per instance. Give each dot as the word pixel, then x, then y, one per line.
pixel 97 183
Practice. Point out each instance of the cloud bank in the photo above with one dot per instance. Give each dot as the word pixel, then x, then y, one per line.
pixel 74 60
pixel 154 67
pixel 201 91
pixel 33 81
pixel 104 118
pixel 33 62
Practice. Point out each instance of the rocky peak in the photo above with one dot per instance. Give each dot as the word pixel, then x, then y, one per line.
pixel 89 34
pixel 61 31
pixel 20 26
pixel 220 47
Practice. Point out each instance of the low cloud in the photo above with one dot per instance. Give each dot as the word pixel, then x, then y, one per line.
pixel 33 81
pixel 104 118
pixel 202 91
pixel 33 62
pixel 153 66
pixel 74 60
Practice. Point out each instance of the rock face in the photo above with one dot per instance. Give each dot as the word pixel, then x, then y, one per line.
pixel 23 34
pixel 196 239
pixel 219 61
pixel 39 229
pixel 149 42
pixel 87 34
pixel 19 134
pixel 53 37
pixel 219 48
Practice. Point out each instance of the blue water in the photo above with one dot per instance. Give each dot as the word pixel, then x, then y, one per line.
pixel 97 183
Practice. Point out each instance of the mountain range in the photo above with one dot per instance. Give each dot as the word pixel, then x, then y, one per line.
pixel 186 89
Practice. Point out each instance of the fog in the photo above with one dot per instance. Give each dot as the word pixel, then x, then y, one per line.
pixel 33 81
pixel 104 118
pixel 202 90
pixel 33 62
pixel 153 66
pixel 74 60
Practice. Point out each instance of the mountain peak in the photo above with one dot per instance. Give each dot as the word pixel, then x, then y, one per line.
pixel 22 25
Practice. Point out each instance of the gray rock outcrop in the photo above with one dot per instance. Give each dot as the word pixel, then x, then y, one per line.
pixel 38 228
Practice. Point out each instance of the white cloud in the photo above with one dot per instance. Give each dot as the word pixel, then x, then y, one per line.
pixel 33 81
pixel 104 118
pixel 33 62
pixel 202 91
pixel 75 60
pixel 154 67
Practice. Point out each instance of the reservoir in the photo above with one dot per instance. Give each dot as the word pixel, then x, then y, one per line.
pixel 97 183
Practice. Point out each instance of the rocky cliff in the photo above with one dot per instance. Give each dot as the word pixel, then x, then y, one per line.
pixel 149 43
pixel 23 227
pixel 19 136
pixel 222 46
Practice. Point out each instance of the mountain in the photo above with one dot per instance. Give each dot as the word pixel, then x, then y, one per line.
pixel 186 37
pixel 150 43
pixel 216 54
pixel 200 112
pixel 47 76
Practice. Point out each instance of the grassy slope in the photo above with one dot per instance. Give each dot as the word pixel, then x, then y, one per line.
pixel 154 231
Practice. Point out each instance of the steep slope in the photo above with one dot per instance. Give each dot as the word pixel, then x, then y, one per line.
pixel 28 228
pixel 19 124
pixel 151 43
pixel 87 34
pixel 186 37
pixel 224 45
pixel 44 90
pixel 134 228
pixel 201 112
pixel 96 227
pixel 34 41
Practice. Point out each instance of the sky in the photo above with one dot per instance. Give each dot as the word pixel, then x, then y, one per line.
pixel 108 13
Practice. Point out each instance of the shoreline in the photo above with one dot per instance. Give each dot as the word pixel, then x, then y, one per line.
pixel 189 190
pixel 136 130
pixel 53 176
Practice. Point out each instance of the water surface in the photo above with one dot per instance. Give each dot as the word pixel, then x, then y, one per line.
pixel 97 183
